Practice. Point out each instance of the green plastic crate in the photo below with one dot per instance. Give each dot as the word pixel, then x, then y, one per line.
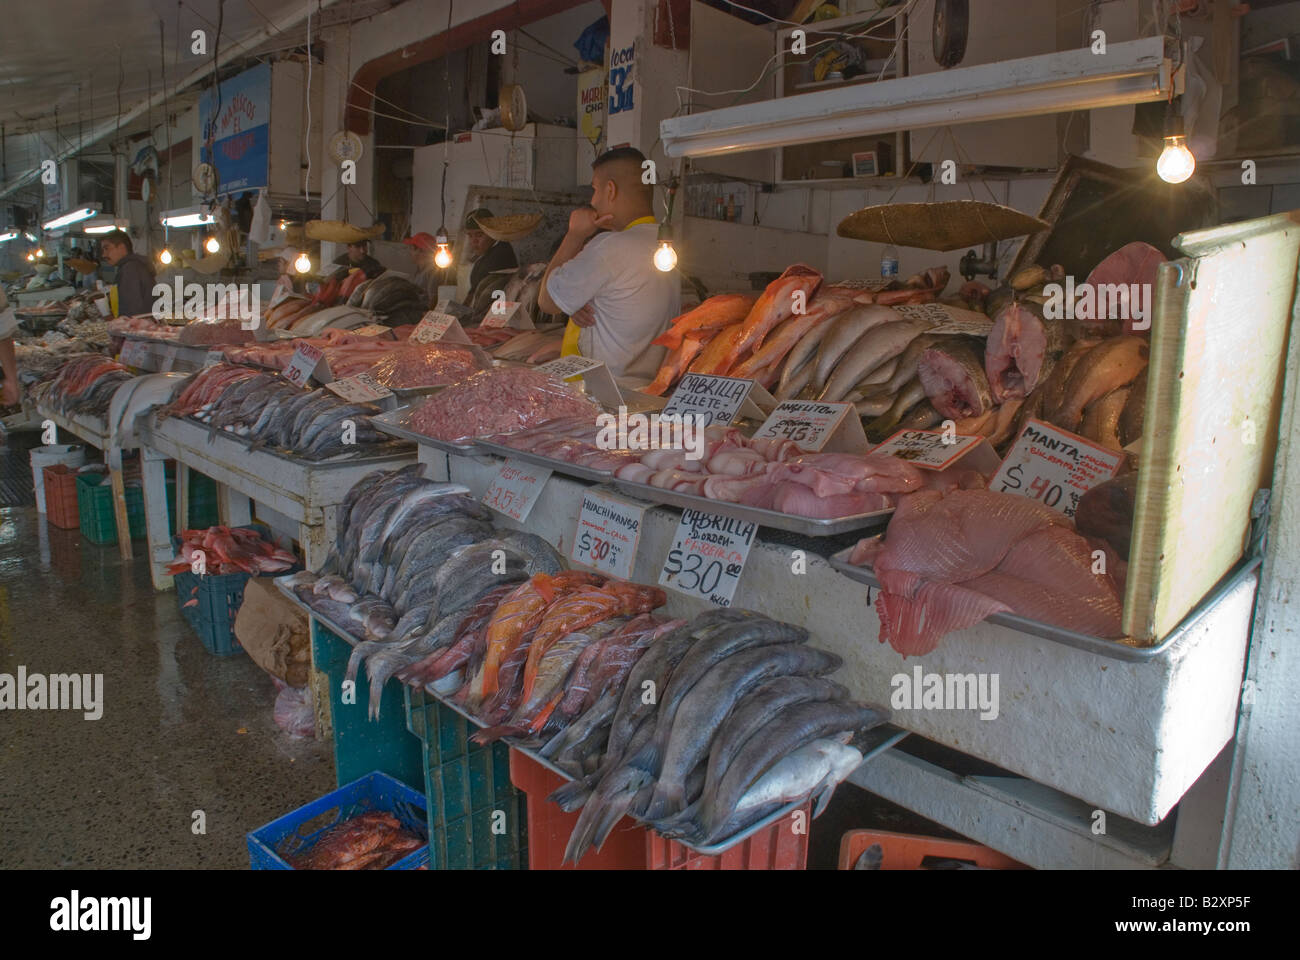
pixel 95 509
pixel 476 816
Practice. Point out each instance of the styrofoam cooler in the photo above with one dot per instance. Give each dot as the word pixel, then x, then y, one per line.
pixel 71 455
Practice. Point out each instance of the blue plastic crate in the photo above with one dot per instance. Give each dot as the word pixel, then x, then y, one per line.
pixel 219 595
pixel 476 816
pixel 272 846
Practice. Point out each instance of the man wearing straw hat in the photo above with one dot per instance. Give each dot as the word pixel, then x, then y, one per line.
pixel 486 254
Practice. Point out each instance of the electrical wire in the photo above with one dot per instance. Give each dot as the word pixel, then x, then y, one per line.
pixel 306 139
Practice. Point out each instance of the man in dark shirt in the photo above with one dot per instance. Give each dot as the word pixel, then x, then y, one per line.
pixel 485 253
pixel 134 274
pixel 358 255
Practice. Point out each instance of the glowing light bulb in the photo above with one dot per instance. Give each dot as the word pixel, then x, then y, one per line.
pixel 665 256
pixel 39 253
pixel 1176 162
pixel 213 245
pixel 283 224
pixel 31 258
pixel 442 257
pixel 165 257
pixel 303 263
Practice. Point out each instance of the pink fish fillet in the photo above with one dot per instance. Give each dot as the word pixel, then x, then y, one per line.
pixel 1135 262
pixel 914 624
pixel 1013 354
pixel 872 473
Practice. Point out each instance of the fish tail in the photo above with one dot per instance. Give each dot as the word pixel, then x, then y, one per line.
pixel 668 799
pixel 491 734
pixel 359 653
pixel 545 713
pixel 572 795
pixel 681 826
pixel 605 808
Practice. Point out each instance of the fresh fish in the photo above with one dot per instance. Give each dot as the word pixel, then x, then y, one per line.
pixel 1112 364
pixel 793 381
pixel 710 701
pixel 952 373
pixel 1131 419
pixel 885 424
pixel 677 362
pixel 905 368
pixel 1053 388
pixel 923 416
pixel 830 302
pixel 846 330
pixel 776 304
pixel 873 348
pixel 800 356
pixel 711 315
pixel 794 727
pixel 1101 419
pixel 1021 349
pixel 716 358
pixel 814 769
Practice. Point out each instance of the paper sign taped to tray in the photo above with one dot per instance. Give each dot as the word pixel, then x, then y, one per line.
pixel 710 398
pixel 307 362
pixel 609 529
pixel 361 388
pixel 1055 466
pixel 708 556
pixel 938 450
pixel 596 378
pixel 515 489
pixel 135 353
pixel 815 426
pixel 435 325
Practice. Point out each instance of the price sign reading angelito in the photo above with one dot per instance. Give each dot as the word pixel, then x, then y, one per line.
pixel 1054 466
pixel 808 423
pixel 515 489
pixel 608 532
pixel 707 556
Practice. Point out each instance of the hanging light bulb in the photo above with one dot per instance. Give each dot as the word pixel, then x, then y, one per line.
pixel 31 258
pixel 303 263
pixel 165 257
pixel 213 245
pixel 665 256
pixel 283 224
pixel 442 254
pixel 1176 162
pixel 39 253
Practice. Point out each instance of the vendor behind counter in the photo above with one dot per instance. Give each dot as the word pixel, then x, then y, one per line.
pixel 135 276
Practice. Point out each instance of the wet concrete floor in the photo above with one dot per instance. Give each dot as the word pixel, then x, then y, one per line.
pixel 181 731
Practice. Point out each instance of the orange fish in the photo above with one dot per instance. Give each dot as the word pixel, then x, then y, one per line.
pixel 582 608
pixel 776 304
pixel 675 363
pixel 831 302
pixel 716 357
pixel 713 314
pixel 520 612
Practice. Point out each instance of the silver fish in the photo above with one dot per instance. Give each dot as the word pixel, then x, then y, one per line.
pixel 868 352
pixel 845 331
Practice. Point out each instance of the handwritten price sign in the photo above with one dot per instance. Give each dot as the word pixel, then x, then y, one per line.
pixel 708 556
pixel 809 424
pixel 361 388
pixel 1054 466
pixel 515 489
pixel 302 366
pixel 434 326
pixel 135 353
pixel 607 534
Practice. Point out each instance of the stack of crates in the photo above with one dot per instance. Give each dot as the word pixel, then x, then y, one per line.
pixel 99 524
pixel 476 816
pixel 61 496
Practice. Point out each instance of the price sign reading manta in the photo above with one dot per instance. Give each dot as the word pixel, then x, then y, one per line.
pixel 608 531
pixel 515 489
pixel 1054 466
pixel 708 556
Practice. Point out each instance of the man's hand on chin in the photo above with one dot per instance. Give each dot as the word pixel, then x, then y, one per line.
pixel 585 222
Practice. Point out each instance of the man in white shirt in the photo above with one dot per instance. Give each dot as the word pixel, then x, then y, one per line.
pixel 8 362
pixel 607 282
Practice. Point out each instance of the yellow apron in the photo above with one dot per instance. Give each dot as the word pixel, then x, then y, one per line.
pixel 569 345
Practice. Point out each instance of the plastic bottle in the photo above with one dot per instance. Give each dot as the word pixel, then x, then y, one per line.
pixel 889 263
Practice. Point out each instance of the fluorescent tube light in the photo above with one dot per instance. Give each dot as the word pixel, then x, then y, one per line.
pixel 1135 71
pixel 76 216
pixel 7 236
pixel 186 217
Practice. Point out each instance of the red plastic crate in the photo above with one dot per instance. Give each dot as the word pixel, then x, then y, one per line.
pixel 549 826
pixel 908 851
pixel 61 496
pixel 777 847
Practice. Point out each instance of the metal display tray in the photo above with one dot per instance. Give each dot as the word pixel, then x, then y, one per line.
pixel 557 466
pixel 882 738
pixel 1101 646
pixel 373 452
pixel 397 423
pixel 764 518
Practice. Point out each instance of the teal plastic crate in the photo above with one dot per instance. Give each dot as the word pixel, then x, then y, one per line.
pixel 203 502
pixel 272 847
pixel 95 509
pixel 476 816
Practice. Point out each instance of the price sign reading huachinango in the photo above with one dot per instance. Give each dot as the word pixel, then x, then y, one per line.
pixel 607 535
pixel 707 556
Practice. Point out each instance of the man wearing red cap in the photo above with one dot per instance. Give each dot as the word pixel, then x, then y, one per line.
pixel 426 276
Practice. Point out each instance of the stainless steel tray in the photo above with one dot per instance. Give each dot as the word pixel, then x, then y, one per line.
pixel 556 466
pixel 397 423
pixel 764 518
pixel 882 738
pixel 1101 646
pixel 372 452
